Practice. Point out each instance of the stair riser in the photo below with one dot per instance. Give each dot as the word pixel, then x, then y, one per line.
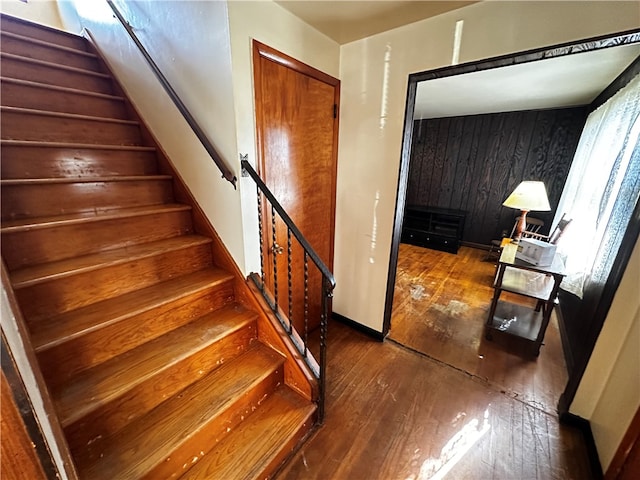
pixel 75 291
pixel 41 245
pixel 38 98
pixel 24 48
pixel 65 360
pixel 45 128
pixel 44 34
pixel 52 162
pixel 25 70
pixel 25 201
pixel 216 429
pixel 143 398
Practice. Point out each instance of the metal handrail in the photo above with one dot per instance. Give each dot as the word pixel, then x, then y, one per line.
pixel 246 167
pixel 328 284
pixel 227 174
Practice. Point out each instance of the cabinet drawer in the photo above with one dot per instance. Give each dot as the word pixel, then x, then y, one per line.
pixel 430 240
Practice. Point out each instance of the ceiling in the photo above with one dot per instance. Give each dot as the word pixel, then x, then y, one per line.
pixel 559 82
pixel 346 21
pixel 566 81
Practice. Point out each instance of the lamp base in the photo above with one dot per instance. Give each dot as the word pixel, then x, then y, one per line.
pixel 521 226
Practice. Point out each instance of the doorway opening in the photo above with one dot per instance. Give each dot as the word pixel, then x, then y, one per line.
pixel 449 304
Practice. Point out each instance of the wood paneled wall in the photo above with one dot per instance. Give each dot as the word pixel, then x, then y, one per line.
pixel 473 163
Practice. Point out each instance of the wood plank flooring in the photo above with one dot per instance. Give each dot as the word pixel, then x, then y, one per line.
pixel 393 413
pixel 441 303
pixel 396 413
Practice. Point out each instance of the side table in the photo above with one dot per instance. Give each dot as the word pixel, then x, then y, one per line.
pixel 522 278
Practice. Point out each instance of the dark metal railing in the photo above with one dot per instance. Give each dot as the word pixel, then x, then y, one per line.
pixel 300 295
pixel 215 156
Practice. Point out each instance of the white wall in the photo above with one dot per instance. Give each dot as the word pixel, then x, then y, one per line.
pixel 374 73
pixel 189 40
pixel 44 12
pixel 272 25
pixel 609 393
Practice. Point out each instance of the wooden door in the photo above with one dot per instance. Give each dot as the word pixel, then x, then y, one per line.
pixel 297 127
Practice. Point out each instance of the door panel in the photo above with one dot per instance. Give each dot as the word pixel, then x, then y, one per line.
pixel 297 135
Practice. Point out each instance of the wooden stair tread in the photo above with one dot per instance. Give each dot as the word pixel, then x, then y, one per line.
pixel 44 63
pixel 88 146
pixel 45 113
pixel 252 448
pixel 54 46
pixel 34 223
pixel 54 330
pixel 144 369
pixel 106 381
pixel 29 276
pixel 56 88
pixel 151 439
pixel 62 180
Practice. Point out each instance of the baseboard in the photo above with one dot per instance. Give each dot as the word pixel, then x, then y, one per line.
pixel 584 426
pixel 480 246
pixel 370 332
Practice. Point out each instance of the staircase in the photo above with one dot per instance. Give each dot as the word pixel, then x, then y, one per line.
pixel 157 357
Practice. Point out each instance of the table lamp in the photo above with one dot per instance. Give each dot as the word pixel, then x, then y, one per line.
pixel 527 196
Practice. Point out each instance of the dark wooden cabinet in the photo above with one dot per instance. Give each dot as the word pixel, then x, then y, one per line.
pixel 433 227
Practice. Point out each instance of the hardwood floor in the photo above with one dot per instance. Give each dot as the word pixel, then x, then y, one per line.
pixel 395 413
pixel 441 303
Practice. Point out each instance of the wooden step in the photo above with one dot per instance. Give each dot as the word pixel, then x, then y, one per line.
pixel 58 287
pixel 33 198
pixel 24 159
pixel 86 337
pixel 40 96
pixel 36 125
pixel 16 66
pixel 41 240
pixel 41 32
pixel 131 385
pixel 261 443
pixel 211 285
pixel 179 430
pixel 48 52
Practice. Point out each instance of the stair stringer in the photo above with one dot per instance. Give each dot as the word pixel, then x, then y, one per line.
pixel 16 323
pixel 297 374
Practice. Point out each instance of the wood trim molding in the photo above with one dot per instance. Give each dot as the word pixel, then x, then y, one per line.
pixel 585 428
pixel 370 332
pixel 18 324
pixel 20 424
pixel 274 55
pixel 555 51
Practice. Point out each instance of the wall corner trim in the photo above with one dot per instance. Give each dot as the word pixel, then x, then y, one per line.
pixel 583 425
pixel 358 326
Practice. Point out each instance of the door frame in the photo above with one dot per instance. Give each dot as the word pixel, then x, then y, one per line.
pixel 633 228
pixel 260 50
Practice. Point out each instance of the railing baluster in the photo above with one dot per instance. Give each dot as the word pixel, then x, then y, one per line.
pixel 299 339
pixel 275 257
pixel 306 302
pixel 327 293
pixel 289 281
pixel 262 286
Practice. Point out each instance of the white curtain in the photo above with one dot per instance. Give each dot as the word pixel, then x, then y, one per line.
pixel 602 186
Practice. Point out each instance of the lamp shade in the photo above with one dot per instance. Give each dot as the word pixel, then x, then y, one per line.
pixel 529 196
